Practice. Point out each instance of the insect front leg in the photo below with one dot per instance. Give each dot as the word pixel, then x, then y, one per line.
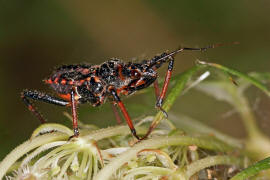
pixel 125 113
pixel 165 87
pixel 161 96
pixel 39 96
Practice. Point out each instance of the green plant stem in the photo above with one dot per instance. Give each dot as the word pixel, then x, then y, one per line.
pixel 158 142
pixel 110 132
pixel 210 161
pixel 242 106
pixel 51 127
pixel 147 170
pixel 27 146
pixel 41 149
pixel 253 170
pixel 194 126
pixel 257 142
pixel 66 165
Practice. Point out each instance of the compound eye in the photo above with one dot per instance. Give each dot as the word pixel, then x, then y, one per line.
pixel 135 73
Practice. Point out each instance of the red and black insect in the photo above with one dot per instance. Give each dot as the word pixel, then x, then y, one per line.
pixel 83 83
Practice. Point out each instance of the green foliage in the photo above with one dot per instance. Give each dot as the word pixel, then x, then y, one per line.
pixel 169 152
pixel 253 169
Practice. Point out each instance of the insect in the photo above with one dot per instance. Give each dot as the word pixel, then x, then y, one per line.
pixel 83 83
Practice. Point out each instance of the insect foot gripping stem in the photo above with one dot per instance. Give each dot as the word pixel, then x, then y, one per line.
pixel 75 135
pixel 158 106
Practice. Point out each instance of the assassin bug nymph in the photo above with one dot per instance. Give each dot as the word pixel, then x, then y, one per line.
pixel 79 84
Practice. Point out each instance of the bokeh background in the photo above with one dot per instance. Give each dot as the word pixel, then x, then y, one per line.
pixel 37 36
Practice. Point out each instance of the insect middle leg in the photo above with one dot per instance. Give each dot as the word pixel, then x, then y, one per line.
pixel 125 113
pixel 116 114
pixel 157 91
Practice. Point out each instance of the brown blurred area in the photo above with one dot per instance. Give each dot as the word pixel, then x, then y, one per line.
pixel 36 36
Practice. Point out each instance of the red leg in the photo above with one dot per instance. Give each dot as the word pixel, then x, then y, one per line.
pixel 33 110
pixel 116 114
pixel 39 96
pixel 157 91
pixel 161 97
pixel 125 113
pixel 74 114
pixel 165 87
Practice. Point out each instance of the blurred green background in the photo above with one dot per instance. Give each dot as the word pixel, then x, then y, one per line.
pixel 36 36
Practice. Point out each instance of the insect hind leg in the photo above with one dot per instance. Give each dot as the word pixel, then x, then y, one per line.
pixel 26 95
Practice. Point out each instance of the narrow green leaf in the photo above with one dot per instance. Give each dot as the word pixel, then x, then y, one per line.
pixel 253 170
pixel 250 79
